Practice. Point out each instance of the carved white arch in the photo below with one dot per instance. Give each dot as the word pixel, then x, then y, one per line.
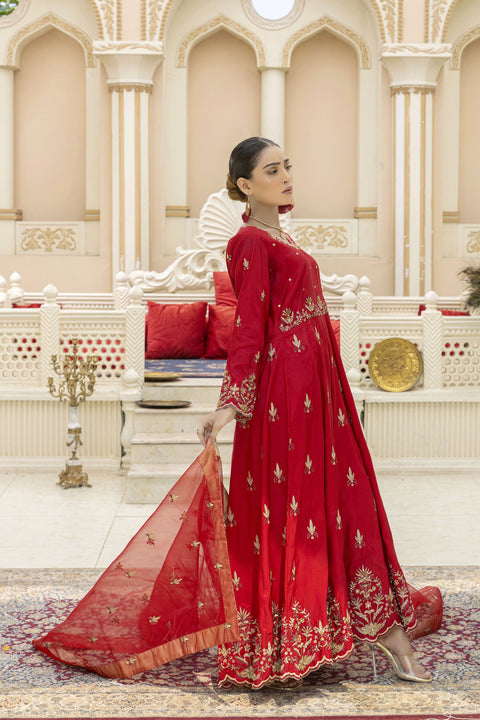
pixel 220 218
pixel 108 14
pixel 387 12
pixel 48 22
pixel 439 13
pixel 460 45
pixel 341 31
pixel 218 23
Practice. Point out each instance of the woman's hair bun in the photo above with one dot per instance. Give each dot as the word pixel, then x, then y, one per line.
pixel 234 192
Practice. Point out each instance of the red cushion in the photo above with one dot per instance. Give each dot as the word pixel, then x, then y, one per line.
pixel 219 330
pixel 336 330
pixel 176 331
pixel 27 306
pixel 444 311
pixel 224 294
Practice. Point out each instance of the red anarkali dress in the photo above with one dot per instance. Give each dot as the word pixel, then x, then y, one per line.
pixel 311 552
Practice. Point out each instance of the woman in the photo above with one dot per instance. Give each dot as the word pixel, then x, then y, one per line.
pixel 311 552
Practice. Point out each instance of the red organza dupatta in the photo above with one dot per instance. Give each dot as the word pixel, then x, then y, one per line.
pixel 168 594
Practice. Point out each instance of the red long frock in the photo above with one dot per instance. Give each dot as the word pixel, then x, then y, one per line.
pixel 311 552
pixel 310 563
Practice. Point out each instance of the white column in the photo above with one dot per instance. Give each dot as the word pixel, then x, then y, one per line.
pixel 176 158
pixel 8 214
pixel 413 75
pixel 366 210
pixel 130 82
pixel 92 160
pixel 273 104
pixel 450 154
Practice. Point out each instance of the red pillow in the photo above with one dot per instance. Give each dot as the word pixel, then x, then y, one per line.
pixel 27 306
pixel 444 311
pixel 224 294
pixel 219 330
pixel 176 331
pixel 336 330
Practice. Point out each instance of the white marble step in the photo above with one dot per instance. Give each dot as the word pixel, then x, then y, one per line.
pixel 173 448
pixel 197 390
pixel 175 420
pixel 150 483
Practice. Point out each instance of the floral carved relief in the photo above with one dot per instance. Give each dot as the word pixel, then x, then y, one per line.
pixel 438 15
pixel 318 237
pixel 108 14
pixel 473 242
pixel 48 239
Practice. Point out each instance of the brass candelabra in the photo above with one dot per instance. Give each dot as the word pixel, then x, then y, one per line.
pixel 77 382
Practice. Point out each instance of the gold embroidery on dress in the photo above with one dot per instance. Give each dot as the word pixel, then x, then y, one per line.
pixel 308 466
pixel 351 479
pixel 278 473
pixel 339 520
pixel 359 541
pixel 245 264
pixel 256 545
pixel 273 413
pixel 341 418
pixel 242 396
pixel 293 506
pixel 297 344
pixel 307 404
pixel 311 530
pixel 266 514
pixel 311 309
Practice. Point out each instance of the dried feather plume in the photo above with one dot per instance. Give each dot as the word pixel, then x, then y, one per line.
pixel 471 278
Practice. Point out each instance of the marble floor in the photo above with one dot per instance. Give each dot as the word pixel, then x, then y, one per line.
pixel 434 519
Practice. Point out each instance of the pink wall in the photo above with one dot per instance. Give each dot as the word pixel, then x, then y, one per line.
pixel 223 108
pixel 50 129
pixel 321 126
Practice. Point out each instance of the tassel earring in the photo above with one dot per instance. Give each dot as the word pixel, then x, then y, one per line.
pixel 248 209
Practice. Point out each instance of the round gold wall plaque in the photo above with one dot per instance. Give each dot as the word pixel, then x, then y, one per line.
pixel 395 365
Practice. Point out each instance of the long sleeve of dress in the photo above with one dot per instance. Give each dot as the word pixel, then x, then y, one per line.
pixel 247 264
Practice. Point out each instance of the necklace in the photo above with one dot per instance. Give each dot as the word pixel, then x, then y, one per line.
pixel 274 227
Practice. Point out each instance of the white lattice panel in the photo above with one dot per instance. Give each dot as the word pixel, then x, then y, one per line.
pixel 19 349
pixel 104 336
pixel 461 361
pixel 370 336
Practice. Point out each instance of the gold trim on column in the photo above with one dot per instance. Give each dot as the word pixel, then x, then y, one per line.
pixel 423 149
pixel 363 213
pixel 11 214
pixel 91 215
pixel 451 216
pixel 130 87
pixel 138 200
pixel 177 211
pixel 416 89
pixel 121 177
pixel 406 210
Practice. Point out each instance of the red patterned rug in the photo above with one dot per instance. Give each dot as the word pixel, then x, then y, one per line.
pixel 34 686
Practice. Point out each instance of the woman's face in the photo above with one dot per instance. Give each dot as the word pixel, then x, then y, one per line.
pixel 271 182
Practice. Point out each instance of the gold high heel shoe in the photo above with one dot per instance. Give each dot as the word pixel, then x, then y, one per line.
pixel 397 668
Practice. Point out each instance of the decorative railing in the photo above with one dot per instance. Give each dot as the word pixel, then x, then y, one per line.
pixel 113 324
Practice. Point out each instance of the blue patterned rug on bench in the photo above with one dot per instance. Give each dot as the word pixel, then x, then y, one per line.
pixel 193 367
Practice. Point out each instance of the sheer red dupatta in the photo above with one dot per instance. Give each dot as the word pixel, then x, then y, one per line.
pixel 428 606
pixel 168 594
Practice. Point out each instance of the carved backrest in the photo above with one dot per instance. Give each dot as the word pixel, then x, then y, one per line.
pixel 220 218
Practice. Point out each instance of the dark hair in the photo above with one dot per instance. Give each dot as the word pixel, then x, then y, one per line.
pixel 243 161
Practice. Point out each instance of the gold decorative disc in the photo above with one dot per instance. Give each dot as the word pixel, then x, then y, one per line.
pixel 395 365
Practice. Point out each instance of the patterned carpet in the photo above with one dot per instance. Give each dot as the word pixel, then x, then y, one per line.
pixel 33 686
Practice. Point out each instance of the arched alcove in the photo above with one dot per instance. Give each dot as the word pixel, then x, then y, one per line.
pixel 322 126
pixel 223 108
pixel 50 129
pixel 469 150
